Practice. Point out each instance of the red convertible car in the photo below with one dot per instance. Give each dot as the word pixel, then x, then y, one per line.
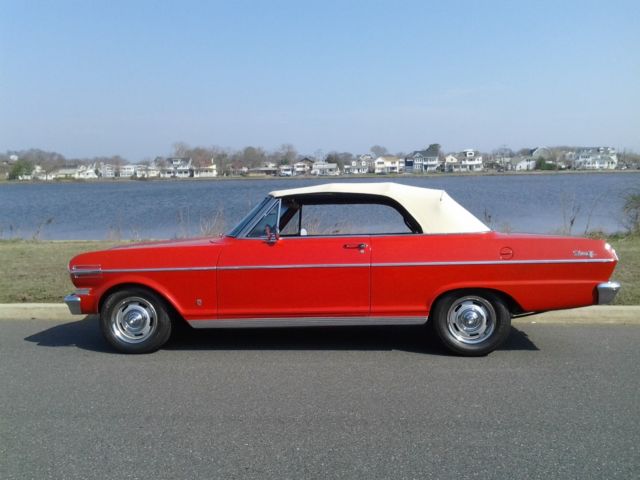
pixel 343 254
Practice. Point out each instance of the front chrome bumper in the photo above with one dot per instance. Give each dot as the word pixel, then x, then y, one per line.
pixel 74 300
pixel 607 292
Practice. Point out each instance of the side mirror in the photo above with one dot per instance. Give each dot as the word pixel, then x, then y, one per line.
pixel 272 235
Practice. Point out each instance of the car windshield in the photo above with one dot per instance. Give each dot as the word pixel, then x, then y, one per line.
pixel 243 223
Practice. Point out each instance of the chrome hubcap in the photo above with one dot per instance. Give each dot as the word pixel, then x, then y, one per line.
pixel 471 319
pixel 134 320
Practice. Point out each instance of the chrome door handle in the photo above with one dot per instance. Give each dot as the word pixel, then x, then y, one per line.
pixel 358 246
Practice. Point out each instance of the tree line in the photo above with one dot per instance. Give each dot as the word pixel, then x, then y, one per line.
pixel 14 164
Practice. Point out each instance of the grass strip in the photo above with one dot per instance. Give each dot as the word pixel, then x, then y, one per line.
pixel 36 271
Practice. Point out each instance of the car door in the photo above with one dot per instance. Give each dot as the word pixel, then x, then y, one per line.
pixel 294 276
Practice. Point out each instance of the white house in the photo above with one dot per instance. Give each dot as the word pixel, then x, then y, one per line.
pixel 153 171
pixel 176 167
pixel 388 164
pixel 267 168
pixel 525 164
pixel 127 171
pixel 471 161
pixel 596 158
pixel 40 173
pixel 356 167
pixel 303 167
pixel 208 171
pixel 85 172
pixel 66 173
pixel 452 164
pixel 107 170
pixel 181 167
pixel 322 168
pixel 285 171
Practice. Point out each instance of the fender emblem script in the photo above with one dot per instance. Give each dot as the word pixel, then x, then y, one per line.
pixel 584 253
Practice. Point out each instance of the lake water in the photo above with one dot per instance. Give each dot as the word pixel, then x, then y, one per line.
pixel 166 209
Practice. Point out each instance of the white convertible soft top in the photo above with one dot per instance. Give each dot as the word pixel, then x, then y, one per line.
pixel 434 210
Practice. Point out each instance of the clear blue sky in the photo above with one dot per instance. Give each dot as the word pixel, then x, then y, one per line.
pixel 99 78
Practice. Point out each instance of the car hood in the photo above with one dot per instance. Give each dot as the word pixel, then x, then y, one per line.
pixel 190 253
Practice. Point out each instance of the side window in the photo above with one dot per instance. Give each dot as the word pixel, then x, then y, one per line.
pixel 269 219
pixel 292 227
pixel 352 219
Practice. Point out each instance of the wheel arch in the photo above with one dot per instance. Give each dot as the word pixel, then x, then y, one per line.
pixel 173 310
pixel 512 305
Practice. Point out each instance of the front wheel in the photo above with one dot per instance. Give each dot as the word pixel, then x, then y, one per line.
pixel 471 323
pixel 135 320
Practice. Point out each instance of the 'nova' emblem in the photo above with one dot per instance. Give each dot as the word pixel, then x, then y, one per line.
pixel 584 253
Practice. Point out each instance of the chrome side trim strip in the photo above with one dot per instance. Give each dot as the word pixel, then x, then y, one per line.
pixel 136 270
pixel 415 264
pixel 280 267
pixel 80 273
pixel 306 322
pixel 339 265
pixel 492 262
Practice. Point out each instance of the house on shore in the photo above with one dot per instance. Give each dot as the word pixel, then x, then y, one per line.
pixel 323 169
pixel 452 164
pixel 303 166
pixel 471 161
pixel 369 160
pixel 356 167
pixel 595 158
pixel 285 171
pixel 423 161
pixel 388 164
pixel 524 164
pixel 86 172
pixel 129 170
pixel 267 169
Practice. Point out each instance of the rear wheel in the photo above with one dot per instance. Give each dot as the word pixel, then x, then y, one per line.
pixel 471 323
pixel 135 320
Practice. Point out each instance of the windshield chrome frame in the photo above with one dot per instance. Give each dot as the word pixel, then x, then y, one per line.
pixel 257 217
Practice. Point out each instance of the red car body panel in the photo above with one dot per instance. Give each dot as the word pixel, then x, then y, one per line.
pixel 520 266
pixel 391 275
pixel 314 277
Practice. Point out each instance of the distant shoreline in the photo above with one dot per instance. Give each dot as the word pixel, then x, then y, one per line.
pixel 318 177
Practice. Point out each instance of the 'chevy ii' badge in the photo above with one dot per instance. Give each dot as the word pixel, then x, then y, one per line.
pixel 584 253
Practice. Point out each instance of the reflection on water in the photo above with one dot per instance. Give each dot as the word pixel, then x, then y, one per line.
pixel 167 209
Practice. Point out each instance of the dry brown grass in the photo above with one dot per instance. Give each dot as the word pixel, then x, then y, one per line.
pixel 36 271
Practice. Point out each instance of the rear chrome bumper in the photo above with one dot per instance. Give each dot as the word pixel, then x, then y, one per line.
pixel 607 292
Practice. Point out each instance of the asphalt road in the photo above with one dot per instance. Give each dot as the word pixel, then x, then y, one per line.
pixel 556 402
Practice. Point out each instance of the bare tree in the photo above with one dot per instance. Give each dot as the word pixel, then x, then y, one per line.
pixel 117 161
pixel 253 157
pixel 379 151
pixel 286 154
pixel 180 149
pixel 200 156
